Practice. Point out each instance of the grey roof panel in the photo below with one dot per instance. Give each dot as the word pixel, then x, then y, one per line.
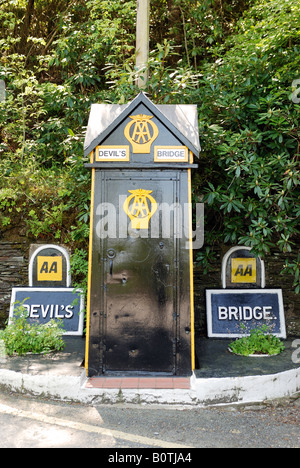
pixel 185 118
pixel 182 116
pixel 101 116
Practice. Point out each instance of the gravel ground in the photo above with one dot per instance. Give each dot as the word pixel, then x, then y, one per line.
pixel 33 422
pixel 275 424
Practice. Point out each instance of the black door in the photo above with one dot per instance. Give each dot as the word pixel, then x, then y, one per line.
pixel 140 274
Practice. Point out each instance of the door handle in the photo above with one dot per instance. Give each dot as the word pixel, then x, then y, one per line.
pixel 111 255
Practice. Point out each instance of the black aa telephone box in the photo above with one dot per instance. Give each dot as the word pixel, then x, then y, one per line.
pixel 140 315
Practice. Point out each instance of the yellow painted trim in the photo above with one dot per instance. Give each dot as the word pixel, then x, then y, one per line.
pixel 88 307
pixel 191 271
pixel 191 157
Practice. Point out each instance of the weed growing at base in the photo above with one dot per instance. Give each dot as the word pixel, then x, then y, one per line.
pixel 260 341
pixel 21 337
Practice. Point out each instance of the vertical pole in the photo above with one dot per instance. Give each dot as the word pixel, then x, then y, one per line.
pixel 142 41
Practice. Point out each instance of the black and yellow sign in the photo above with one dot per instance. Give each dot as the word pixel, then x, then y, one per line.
pixel 243 270
pixel 140 309
pixel 49 266
pixel 140 206
pixel 141 133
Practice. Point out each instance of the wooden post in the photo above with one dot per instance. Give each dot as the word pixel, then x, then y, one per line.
pixel 142 41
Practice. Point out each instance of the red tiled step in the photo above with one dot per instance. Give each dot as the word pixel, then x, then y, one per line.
pixel 139 382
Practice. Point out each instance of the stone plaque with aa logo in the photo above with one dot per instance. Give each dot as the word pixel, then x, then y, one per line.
pixel 49 266
pixel 242 269
pixel 49 295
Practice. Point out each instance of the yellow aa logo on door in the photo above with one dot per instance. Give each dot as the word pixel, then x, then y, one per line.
pixel 140 206
pixel 243 270
pixel 49 268
pixel 141 133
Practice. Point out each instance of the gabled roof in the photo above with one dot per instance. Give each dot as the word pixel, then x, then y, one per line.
pixel 180 119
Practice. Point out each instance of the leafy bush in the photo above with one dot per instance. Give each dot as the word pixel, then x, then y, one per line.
pixel 60 57
pixel 258 342
pixel 21 337
pixel 249 127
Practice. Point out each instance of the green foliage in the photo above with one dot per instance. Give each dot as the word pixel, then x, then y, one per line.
pixel 7 204
pixel 250 132
pixel 258 342
pixel 236 60
pixel 46 204
pixel 193 26
pixel 165 84
pixel 21 337
pixel 52 83
pixel 79 269
pixel 293 268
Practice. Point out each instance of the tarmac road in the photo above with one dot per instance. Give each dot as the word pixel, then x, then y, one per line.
pixel 28 422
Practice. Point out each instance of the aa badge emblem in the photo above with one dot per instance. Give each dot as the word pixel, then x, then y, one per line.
pixel 140 206
pixel 141 133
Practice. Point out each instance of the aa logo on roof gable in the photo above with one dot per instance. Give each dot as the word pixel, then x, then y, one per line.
pixel 141 133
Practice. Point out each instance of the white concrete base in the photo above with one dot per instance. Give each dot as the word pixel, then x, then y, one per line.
pixel 248 389
pixel 203 392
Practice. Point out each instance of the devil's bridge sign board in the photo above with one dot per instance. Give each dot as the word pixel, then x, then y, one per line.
pixel 230 309
pixel 45 304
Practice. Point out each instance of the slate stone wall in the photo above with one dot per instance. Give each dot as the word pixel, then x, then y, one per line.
pixel 13 272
